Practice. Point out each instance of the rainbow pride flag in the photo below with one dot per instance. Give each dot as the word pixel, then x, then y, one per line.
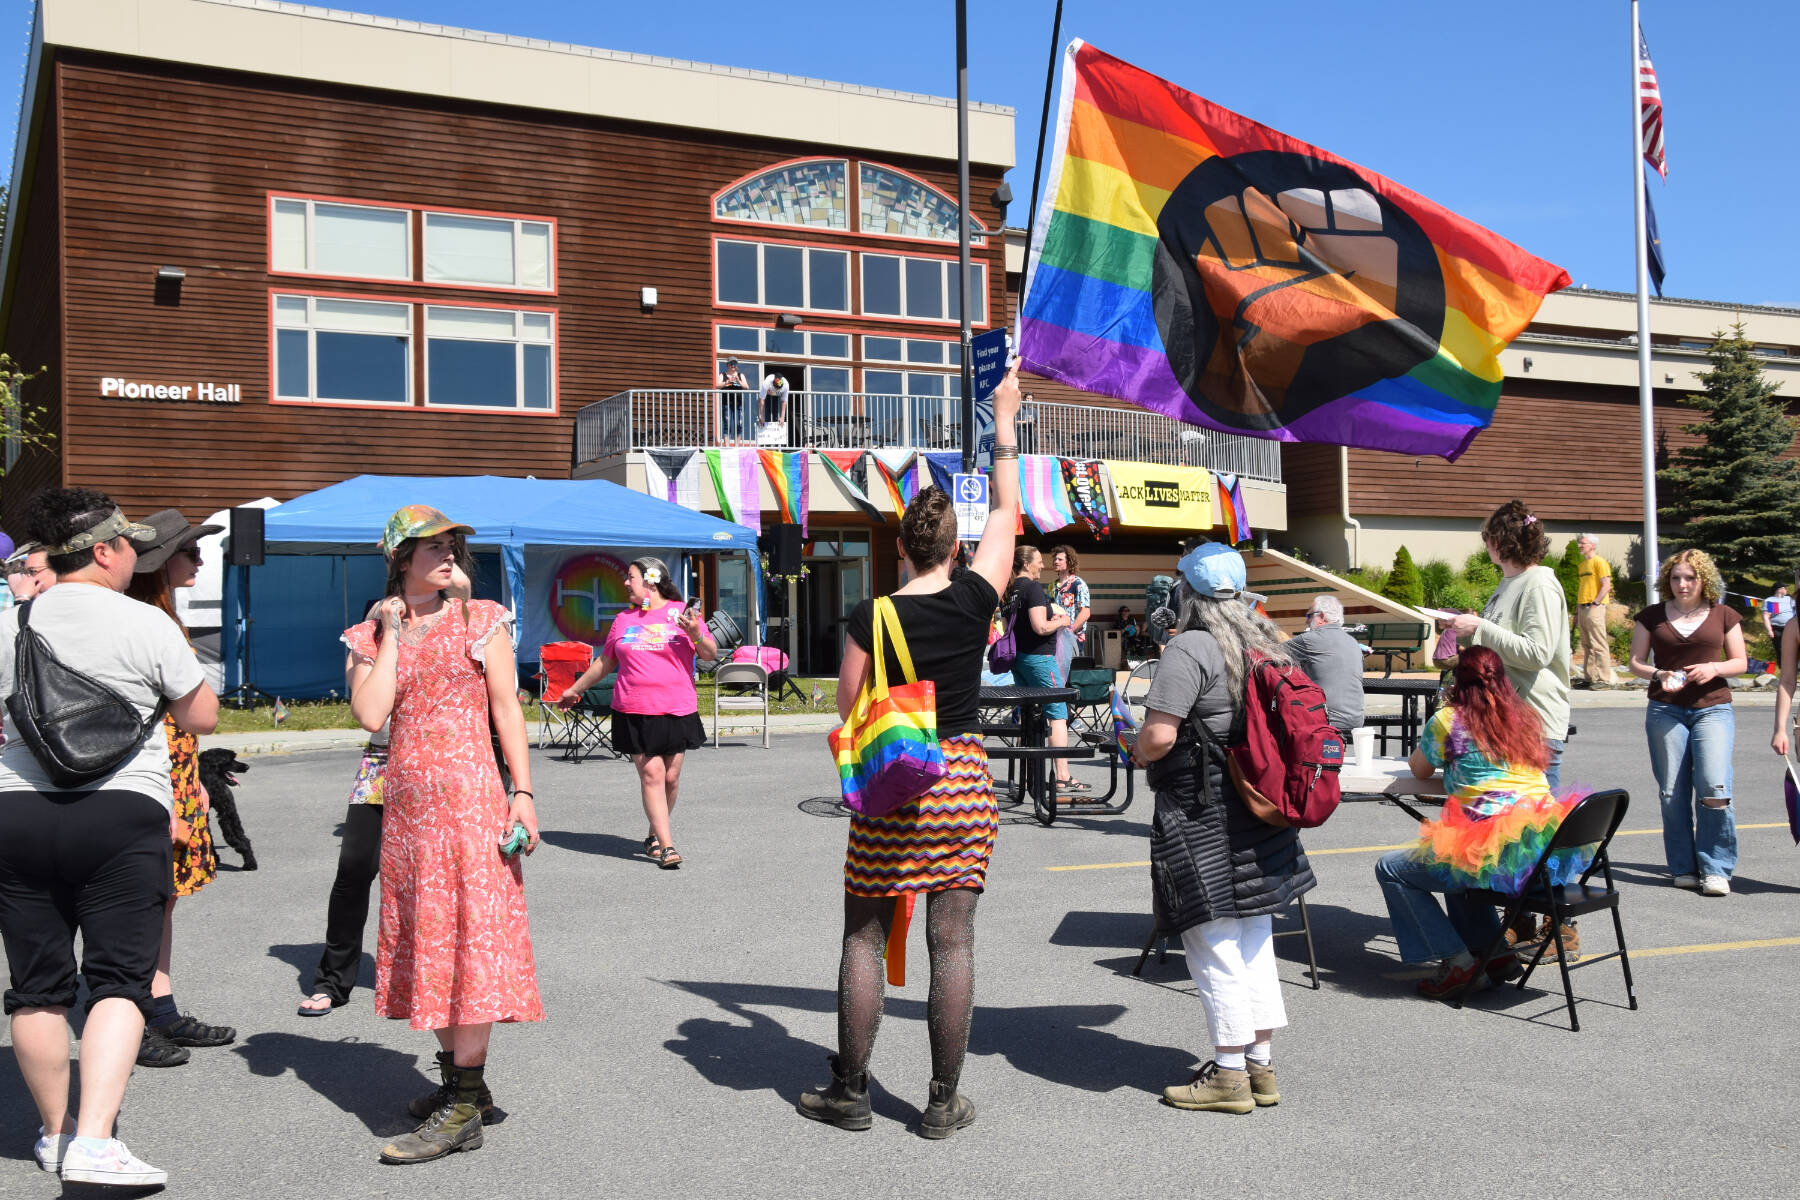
pixel 1197 264
pixel 1234 514
pixel 788 472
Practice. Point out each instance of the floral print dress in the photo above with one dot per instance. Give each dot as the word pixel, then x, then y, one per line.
pixel 454 946
pixel 195 863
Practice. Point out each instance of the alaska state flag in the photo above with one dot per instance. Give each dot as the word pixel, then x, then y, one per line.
pixel 1197 264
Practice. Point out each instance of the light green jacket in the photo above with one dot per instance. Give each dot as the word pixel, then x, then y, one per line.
pixel 1526 622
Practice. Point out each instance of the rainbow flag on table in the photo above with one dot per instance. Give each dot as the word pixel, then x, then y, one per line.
pixel 788 472
pixel 1203 266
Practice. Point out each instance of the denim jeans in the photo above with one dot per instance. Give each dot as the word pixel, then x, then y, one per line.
pixel 1423 930
pixel 1690 753
pixel 1553 772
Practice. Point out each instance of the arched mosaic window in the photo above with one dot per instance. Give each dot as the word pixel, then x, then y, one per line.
pixel 813 193
pixel 900 206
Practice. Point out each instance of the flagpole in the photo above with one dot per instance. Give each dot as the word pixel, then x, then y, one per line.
pixel 1646 402
pixel 969 432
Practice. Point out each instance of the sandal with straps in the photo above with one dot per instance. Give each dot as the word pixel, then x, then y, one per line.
pixel 650 846
pixel 666 857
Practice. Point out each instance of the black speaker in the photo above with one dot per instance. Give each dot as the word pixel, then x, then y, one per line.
pixel 246 538
pixel 785 548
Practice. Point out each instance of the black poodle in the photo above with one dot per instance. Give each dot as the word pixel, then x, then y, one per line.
pixel 219 769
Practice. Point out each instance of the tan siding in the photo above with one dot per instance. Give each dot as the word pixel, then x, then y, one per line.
pixel 170 165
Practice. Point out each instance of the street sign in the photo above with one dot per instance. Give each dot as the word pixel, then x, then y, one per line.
pixel 970 494
pixel 988 354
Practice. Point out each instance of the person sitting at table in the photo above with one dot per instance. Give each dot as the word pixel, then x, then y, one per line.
pixel 1217 871
pixel 1333 660
pixel 1498 817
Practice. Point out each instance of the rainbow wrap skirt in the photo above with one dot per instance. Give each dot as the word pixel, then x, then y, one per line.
pixel 1498 852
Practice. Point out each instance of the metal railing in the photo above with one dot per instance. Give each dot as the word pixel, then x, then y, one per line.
pixel 644 417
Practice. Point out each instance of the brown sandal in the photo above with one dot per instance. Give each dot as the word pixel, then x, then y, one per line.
pixel 666 857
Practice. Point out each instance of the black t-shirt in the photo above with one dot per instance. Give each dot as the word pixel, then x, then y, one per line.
pixel 946 633
pixel 1030 594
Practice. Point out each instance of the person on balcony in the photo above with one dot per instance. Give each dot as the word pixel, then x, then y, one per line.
pixel 737 415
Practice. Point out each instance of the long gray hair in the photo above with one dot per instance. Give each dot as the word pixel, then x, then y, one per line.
pixel 1238 628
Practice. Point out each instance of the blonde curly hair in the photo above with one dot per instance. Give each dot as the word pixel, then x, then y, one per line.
pixel 1712 587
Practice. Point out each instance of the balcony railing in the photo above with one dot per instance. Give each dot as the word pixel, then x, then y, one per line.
pixel 846 420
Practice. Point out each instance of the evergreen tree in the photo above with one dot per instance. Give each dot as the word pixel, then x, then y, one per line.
pixel 1735 494
pixel 1568 571
pixel 1403 582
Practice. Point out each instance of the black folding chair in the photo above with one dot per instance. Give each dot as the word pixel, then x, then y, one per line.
pixel 1305 930
pixel 1592 821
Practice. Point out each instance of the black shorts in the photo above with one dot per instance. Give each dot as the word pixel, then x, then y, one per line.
pixel 93 862
pixel 655 734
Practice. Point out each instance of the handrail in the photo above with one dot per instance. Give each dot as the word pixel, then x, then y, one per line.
pixel 645 417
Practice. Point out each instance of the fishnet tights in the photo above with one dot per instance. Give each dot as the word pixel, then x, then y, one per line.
pixel 862 978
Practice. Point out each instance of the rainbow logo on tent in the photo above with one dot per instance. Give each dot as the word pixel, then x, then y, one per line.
pixel 586 592
pixel 1200 265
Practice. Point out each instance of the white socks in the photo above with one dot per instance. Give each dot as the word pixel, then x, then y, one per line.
pixel 1233 1061
pixel 1260 1054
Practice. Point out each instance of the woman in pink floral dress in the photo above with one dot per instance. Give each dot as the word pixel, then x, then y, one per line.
pixel 454 949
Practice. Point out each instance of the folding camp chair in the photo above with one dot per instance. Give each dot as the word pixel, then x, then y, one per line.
pixel 749 691
pixel 1594 819
pixel 590 723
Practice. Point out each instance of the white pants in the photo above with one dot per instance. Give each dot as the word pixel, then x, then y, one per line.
pixel 1233 964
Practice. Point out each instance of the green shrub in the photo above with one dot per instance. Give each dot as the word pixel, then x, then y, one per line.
pixel 1370 579
pixel 1618 635
pixel 1568 572
pixel 1456 597
pixel 1480 573
pixel 1629 592
pixel 1434 577
pixel 1403 582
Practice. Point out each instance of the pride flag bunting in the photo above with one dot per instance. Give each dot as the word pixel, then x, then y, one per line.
pixel 789 473
pixel 1234 514
pixel 1197 264
pixel 896 473
pixel 1041 492
pixel 840 463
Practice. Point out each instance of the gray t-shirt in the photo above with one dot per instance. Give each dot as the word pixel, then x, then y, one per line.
pixel 1332 659
pixel 132 648
pixel 1190 681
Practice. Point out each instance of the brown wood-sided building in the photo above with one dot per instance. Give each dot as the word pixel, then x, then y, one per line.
pixel 257 251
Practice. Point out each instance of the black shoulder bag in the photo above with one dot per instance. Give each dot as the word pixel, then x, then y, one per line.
pixel 79 729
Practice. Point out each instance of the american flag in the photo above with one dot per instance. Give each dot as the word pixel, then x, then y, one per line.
pixel 1650 110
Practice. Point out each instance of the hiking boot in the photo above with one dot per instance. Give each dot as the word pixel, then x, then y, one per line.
pixel 844 1104
pixel 445 1093
pixel 112 1164
pixel 1571 938
pixel 1522 929
pixel 455 1125
pixel 1262 1083
pixel 1213 1089
pixel 188 1031
pixel 156 1050
pixel 1450 980
pixel 947 1111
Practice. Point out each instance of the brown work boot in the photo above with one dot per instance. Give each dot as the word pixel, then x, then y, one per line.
pixel 1522 929
pixel 1262 1083
pixel 844 1104
pixel 423 1106
pixel 455 1125
pixel 1571 940
pixel 947 1111
pixel 1213 1089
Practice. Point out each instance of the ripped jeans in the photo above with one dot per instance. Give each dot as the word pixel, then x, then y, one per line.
pixel 1690 753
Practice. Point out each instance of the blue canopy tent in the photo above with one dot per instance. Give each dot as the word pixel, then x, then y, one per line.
pixel 325 557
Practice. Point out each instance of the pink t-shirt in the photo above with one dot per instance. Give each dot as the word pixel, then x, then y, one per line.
pixel 656 661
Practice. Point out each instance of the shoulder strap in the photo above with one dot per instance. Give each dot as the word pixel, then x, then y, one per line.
pixel 878 685
pixel 891 618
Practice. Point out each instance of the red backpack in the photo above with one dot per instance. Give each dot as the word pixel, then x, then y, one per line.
pixel 1286 768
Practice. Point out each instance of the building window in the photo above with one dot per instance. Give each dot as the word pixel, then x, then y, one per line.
pixel 921 289
pixel 794 343
pixel 318 237
pixel 932 351
pixel 815 194
pixel 338 351
pixel 487 251
pixel 897 205
pixel 776 275
pixel 489 358
pixel 911 383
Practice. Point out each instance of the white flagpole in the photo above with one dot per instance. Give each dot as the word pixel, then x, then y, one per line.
pixel 1646 410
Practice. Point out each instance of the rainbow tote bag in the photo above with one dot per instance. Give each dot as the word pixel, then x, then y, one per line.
pixel 887 752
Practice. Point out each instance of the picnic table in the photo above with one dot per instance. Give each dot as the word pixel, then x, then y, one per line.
pixel 1418 701
pixel 1033 751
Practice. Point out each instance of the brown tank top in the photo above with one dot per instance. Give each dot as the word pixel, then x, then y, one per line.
pixel 1671 651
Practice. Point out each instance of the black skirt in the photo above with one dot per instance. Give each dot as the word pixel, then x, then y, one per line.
pixel 656 734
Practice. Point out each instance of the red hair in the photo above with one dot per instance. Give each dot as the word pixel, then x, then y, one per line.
pixel 1504 727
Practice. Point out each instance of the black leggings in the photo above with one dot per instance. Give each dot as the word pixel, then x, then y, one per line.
pixel 93 862
pixel 359 865
pixel 862 978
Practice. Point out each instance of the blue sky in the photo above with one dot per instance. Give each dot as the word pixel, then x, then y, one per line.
pixel 1518 121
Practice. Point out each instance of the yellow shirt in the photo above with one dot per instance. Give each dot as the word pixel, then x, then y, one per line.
pixel 1592 572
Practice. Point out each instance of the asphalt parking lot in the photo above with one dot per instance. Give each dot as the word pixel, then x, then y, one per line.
pixel 687 1010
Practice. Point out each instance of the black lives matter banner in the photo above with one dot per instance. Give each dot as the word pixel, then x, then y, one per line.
pixel 1159 497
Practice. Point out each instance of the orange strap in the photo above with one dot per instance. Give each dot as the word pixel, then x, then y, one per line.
pixel 896 943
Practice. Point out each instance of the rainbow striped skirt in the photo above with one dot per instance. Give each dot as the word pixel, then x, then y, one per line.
pixel 942 840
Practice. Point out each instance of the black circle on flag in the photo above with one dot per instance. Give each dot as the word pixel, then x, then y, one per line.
pixel 1284 282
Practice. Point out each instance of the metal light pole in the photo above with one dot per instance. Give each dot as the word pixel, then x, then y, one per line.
pixel 969 433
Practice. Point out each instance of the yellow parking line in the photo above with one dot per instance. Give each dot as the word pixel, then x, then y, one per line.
pixel 1710 947
pixel 1375 850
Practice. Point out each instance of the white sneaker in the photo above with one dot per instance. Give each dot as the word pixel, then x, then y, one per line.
pixel 113 1164
pixel 1715 885
pixel 1690 882
pixel 50 1149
